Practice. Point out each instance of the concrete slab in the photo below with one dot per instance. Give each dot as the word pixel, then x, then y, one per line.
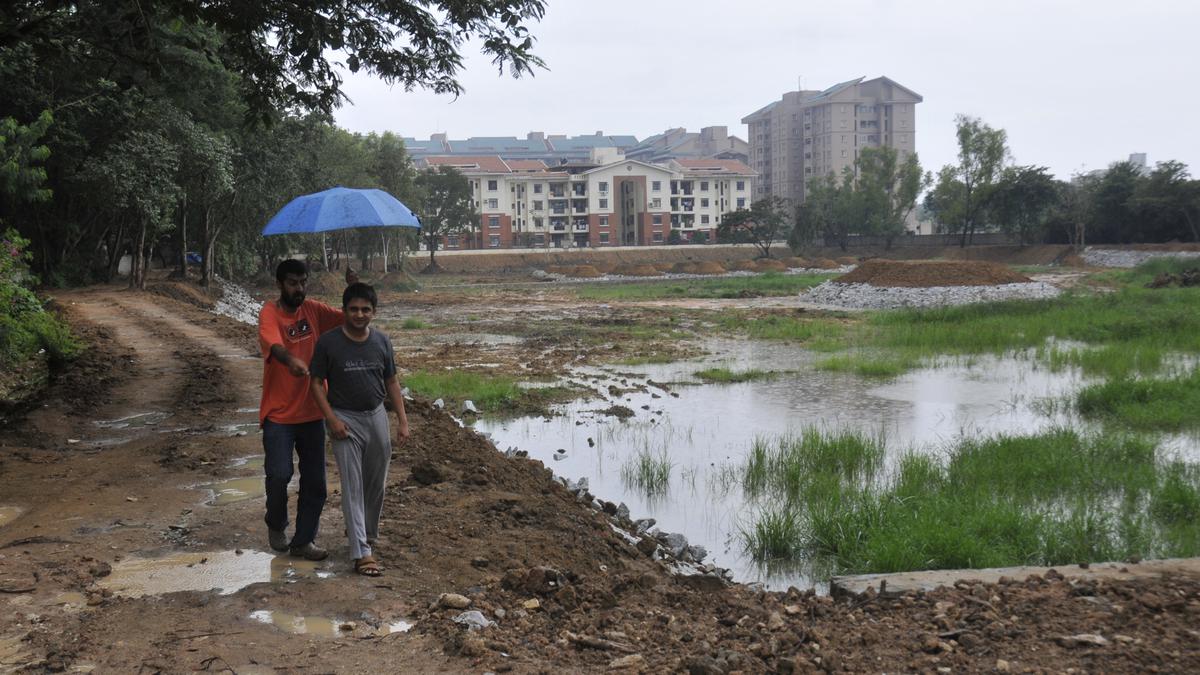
pixel 903 582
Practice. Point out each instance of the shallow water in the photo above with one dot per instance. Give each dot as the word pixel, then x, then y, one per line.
pixel 708 428
pixel 223 571
pixel 235 490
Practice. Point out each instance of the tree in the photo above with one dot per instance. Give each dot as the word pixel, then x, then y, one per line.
pixel 832 209
pixel 1021 201
pixel 22 176
pixel 766 221
pixel 445 207
pixel 888 190
pixel 959 198
pixel 1113 219
pixel 1166 203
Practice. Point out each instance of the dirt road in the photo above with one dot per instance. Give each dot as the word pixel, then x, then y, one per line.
pixel 124 549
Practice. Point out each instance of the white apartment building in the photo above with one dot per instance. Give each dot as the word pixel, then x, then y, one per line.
pixel 609 201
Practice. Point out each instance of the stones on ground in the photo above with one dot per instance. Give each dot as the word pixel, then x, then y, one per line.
pixel 626 662
pixel 647 546
pixel 480 562
pixel 643 525
pixel 866 296
pixel 622 512
pixel 560 454
pixel 468 406
pixel 1081 640
pixel 1003 666
pixel 697 553
pixel 775 621
pixel 532 604
pixel 439 404
pixel 453 601
pixel 676 543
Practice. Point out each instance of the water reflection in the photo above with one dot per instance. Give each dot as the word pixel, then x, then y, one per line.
pixel 705 430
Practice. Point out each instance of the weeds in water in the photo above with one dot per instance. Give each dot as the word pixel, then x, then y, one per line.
pixel 488 392
pixel 413 323
pixel 1150 404
pixel 869 365
pixel 1048 499
pixel 815 463
pixel 648 471
pixel 727 376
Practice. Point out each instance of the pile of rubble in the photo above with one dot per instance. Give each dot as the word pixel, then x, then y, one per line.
pixel 1109 257
pixel 890 284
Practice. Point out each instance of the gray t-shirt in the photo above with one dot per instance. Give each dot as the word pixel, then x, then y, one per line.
pixel 356 372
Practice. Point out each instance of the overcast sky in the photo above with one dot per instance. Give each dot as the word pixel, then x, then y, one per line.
pixel 1077 85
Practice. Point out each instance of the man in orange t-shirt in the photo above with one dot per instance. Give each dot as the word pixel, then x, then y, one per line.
pixel 287 332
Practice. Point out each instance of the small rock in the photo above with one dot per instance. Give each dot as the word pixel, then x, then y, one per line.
pixel 647 546
pixel 697 553
pixel 676 543
pixel 792 610
pixel 622 511
pixel 480 562
pixel 532 604
pixel 630 661
pixel 1081 640
pixel 474 620
pixel 468 406
pixel 439 404
pixel 453 601
pixel 1003 666
pixel 775 621
pixel 642 525
pixel 428 473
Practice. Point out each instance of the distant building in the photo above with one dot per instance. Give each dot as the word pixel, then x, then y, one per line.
pixel 813 133
pixel 607 200
pixel 553 149
pixel 679 143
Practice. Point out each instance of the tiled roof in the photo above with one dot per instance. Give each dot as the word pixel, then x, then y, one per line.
pixel 471 164
pixel 526 165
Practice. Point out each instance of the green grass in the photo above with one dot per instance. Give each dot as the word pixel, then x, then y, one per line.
pixel 648 471
pixel 768 284
pixel 1171 404
pixel 880 366
pixel 413 323
pixel 1047 499
pixel 816 334
pixel 488 392
pixel 727 376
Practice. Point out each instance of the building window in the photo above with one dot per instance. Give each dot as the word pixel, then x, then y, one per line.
pixel 704 186
pixel 452 241
pixel 494 241
pixel 603 221
pixel 537 205
pixel 656 186
pixel 493 222
pixel 537 221
pixel 491 186
pixel 657 236
pixel 656 203
pixel 604 186
pixel 493 203
pixel 656 219
pixel 537 188
pixel 704 202
pixel 539 239
pixel 704 219
pixel 741 185
pixel 604 203
pixel 741 202
pixel 603 237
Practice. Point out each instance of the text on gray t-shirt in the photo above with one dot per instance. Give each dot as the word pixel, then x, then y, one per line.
pixel 356 372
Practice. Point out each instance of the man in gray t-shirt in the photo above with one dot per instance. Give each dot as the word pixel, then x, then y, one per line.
pixel 358 363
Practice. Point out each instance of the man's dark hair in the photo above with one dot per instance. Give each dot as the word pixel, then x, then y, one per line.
pixel 291 266
pixel 360 291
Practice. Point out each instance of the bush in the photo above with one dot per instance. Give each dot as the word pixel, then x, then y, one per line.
pixel 25 327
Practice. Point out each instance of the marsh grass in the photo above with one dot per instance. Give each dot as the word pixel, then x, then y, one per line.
pixel 488 392
pixel 1168 404
pixel 879 366
pixel 768 284
pixel 1047 499
pixel 727 376
pixel 816 334
pixel 648 471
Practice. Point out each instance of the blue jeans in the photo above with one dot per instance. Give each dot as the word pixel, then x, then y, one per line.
pixel 308 440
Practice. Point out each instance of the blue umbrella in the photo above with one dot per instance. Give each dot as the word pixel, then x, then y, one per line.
pixel 340 208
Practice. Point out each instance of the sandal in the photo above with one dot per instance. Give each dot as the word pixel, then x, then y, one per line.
pixel 368 567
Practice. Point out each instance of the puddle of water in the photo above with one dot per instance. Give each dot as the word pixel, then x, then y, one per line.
pixel 136 421
pixel 71 599
pixel 302 625
pixel 396 627
pixel 709 428
pixel 235 490
pixel 239 428
pixel 489 339
pixel 224 571
pixel 9 514
pixel 252 460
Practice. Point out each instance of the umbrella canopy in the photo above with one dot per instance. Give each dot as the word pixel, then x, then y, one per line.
pixel 340 208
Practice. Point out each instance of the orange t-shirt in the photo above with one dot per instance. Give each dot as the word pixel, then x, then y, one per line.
pixel 286 399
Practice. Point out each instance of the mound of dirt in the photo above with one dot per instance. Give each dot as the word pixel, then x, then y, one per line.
pixel 557 269
pixel 925 274
pixel 637 271
pixel 664 266
pixel 604 266
pixel 847 260
pixel 823 264
pixel 709 267
pixel 183 292
pixel 583 272
pixel 683 268
pixel 770 265
pixel 325 283
pixel 396 281
pixel 796 263
pixel 742 266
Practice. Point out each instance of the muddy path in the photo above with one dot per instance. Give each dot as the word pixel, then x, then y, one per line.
pixel 116 557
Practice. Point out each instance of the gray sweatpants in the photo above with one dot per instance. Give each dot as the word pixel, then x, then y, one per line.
pixel 362 459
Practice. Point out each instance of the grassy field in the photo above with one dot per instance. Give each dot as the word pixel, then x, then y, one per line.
pixel 489 393
pixel 768 284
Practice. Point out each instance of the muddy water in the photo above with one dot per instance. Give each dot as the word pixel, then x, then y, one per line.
pixel 224 571
pixel 708 428
pixel 235 490
pixel 303 625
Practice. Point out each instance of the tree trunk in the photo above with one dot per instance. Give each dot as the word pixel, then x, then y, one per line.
pixel 183 239
pixel 383 236
pixel 324 253
pixel 137 267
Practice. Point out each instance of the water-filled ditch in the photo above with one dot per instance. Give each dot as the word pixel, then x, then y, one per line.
pixel 704 431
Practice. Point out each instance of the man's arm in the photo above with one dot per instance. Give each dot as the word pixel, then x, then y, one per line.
pixel 294 365
pixel 397 398
pixel 337 428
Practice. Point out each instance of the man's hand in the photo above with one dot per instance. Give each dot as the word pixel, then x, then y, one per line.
pixel 401 432
pixel 297 368
pixel 337 428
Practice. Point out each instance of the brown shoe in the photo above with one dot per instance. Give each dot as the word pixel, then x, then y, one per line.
pixel 309 551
